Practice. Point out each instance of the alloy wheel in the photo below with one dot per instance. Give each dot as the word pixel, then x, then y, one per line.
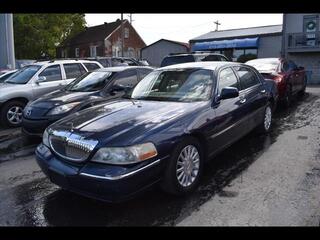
pixel 14 115
pixel 188 164
pixel 267 118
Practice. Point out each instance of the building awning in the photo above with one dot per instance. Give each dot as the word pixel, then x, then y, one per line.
pixel 221 44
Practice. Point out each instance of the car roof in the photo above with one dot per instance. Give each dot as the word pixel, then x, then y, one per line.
pixel 204 65
pixel 121 68
pixel 41 63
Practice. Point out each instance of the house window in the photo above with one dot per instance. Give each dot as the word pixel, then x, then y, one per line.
pixel 126 33
pixel 76 52
pixel 93 51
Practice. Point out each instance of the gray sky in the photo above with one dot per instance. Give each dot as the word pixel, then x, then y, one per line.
pixel 183 27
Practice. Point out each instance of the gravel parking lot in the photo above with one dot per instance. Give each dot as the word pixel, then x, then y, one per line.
pixel 263 180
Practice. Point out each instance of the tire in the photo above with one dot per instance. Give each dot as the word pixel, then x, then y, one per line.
pixel 265 125
pixel 303 91
pixel 287 101
pixel 14 109
pixel 172 181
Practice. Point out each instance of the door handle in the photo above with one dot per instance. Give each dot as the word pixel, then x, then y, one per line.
pixel 243 100
pixel 263 91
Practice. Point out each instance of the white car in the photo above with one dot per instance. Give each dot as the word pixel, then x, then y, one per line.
pixel 34 80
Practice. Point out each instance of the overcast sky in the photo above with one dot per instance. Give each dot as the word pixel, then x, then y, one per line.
pixel 183 27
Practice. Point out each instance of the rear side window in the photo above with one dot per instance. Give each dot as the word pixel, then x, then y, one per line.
pixel 91 66
pixel 52 73
pixel 227 78
pixel 247 77
pixel 73 70
pixel 171 60
pixel 127 78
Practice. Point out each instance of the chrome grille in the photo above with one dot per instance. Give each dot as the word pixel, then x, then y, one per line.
pixel 71 146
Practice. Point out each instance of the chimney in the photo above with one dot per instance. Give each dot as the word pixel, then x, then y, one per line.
pixel 105 23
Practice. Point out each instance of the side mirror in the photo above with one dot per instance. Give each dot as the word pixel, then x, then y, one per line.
pixel 228 92
pixel 41 79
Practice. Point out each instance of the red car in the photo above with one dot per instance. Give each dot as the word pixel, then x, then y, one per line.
pixel 291 80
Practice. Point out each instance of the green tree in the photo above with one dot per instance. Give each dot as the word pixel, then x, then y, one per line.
pixel 36 35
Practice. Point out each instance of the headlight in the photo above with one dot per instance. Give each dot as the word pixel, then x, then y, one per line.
pixel 63 108
pixel 45 138
pixel 125 155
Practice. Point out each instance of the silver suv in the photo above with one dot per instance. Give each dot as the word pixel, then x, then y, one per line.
pixel 35 80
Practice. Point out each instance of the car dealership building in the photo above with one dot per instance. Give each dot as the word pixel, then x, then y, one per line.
pixel 298 39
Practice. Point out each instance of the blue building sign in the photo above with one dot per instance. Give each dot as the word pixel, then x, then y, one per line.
pixel 223 44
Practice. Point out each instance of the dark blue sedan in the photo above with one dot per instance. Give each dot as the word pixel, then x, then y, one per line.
pixel 175 119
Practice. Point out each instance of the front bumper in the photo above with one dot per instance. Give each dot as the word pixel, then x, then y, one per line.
pixel 35 127
pixel 100 181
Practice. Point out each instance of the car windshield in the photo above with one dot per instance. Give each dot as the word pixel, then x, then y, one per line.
pixel 167 61
pixel 181 85
pixel 264 65
pixel 23 75
pixel 90 82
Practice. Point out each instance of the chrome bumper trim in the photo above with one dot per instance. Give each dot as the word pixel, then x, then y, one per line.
pixel 107 177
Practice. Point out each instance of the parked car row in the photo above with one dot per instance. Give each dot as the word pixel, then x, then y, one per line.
pixel 111 133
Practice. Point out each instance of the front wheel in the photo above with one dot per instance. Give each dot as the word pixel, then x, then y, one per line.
pixel 265 126
pixel 11 113
pixel 184 168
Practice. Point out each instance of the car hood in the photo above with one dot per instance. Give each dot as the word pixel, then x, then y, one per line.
pixel 61 97
pixel 124 121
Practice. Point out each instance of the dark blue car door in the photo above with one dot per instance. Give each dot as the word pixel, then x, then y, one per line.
pixel 228 114
pixel 253 97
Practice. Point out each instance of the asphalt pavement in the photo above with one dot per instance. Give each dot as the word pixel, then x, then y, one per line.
pixel 261 180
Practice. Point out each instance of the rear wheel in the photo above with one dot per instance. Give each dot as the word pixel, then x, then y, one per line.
pixel 303 90
pixel 184 168
pixel 265 126
pixel 287 101
pixel 11 113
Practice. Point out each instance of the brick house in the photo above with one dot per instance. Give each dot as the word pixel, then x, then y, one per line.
pixel 103 41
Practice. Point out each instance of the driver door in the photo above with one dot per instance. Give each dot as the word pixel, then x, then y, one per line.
pixel 228 115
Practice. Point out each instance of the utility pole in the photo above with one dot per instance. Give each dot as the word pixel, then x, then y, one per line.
pixel 130 17
pixel 122 38
pixel 7 56
pixel 217 24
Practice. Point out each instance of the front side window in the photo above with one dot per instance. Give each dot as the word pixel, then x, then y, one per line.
pixel 23 75
pixel 73 70
pixel 52 73
pixel 144 72
pixel 89 82
pixel 247 77
pixel 127 78
pixel 181 85
pixel 227 78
